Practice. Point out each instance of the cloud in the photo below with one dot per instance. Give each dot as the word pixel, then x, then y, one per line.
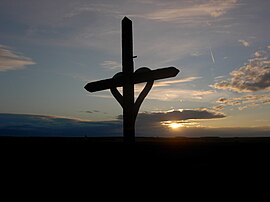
pixel 166 93
pixel 218 107
pixel 169 83
pixel 10 60
pixel 168 11
pixel 245 102
pixel 212 56
pixel 231 102
pixel 175 94
pixel 68 25
pixel 252 77
pixel 42 125
pixel 196 54
pixel 219 77
pixel 244 43
pixel 48 126
pixel 259 55
pixel 179 115
pixel 202 94
pixel 111 64
pixel 159 123
pixel 222 100
pixel 210 8
pixel 91 112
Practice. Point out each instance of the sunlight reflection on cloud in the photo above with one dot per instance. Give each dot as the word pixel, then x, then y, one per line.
pixel 180 124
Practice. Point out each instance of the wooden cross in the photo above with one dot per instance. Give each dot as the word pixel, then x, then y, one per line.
pixel 127 78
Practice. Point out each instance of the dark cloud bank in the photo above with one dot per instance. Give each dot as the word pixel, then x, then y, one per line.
pixel 148 124
pixel 37 125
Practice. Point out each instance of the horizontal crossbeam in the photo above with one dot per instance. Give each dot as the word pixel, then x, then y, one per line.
pixel 137 77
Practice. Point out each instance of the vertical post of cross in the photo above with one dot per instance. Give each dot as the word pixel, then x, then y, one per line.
pixel 128 87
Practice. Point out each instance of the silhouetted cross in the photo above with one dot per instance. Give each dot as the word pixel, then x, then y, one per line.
pixel 127 78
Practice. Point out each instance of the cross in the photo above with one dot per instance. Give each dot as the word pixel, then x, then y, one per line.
pixel 127 78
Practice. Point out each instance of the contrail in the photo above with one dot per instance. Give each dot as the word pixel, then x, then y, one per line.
pixel 212 56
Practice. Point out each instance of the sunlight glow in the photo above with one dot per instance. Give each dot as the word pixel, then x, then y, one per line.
pixel 175 125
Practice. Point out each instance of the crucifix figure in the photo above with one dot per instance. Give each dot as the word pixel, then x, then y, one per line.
pixel 127 78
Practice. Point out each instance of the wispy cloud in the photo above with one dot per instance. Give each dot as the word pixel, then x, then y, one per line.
pixel 167 91
pixel 196 54
pixel 259 55
pixel 244 102
pixel 244 43
pixel 171 94
pixel 68 25
pixel 110 64
pixel 169 11
pixel 168 94
pixel 10 60
pixel 91 112
pixel 219 77
pixel 253 76
pixel 212 56
pixel 202 94
pixel 230 102
pixel 210 8
pixel 178 81
pixel 218 107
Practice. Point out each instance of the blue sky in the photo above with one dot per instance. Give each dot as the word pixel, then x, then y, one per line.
pixel 50 49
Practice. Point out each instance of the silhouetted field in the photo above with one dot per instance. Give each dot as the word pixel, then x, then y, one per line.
pixel 147 153
pixel 109 163
pixel 151 163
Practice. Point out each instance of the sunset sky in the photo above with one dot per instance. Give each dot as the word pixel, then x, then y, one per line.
pixel 50 49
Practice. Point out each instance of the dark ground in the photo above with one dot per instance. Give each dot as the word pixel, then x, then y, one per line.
pixel 113 153
pixel 151 163
pixel 99 166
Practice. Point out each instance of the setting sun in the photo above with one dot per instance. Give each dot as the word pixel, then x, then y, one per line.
pixel 172 124
pixel 175 125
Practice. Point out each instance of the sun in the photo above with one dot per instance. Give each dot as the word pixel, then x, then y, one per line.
pixel 175 125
